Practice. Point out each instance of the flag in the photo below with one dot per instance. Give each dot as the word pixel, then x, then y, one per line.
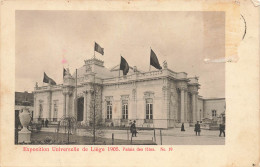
pixel 154 61
pixel 64 72
pixel 47 79
pixel 99 49
pixel 124 66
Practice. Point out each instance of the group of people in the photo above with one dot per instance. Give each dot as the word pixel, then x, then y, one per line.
pixel 198 130
pixel 46 122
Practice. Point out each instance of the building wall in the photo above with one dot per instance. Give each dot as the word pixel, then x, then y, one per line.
pixel 44 99
pixel 58 97
pixel 214 104
pixel 137 94
pixel 166 103
pixel 200 108
pixel 173 103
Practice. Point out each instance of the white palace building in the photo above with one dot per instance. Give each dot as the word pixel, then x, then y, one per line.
pixel 158 99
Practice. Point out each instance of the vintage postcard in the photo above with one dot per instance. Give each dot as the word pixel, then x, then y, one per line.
pixel 129 83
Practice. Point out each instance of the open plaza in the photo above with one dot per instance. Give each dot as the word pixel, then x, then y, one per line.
pixel 123 137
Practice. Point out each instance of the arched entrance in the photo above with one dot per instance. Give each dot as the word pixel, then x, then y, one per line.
pixel 80 109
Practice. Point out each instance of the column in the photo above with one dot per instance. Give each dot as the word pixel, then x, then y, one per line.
pixel 36 112
pixel 89 106
pixel 185 105
pixel 50 99
pixel 64 104
pixel 134 106
pixel 182 105
pixel 197 110
pixel 85 108
pixel 194 107
pixel 67 105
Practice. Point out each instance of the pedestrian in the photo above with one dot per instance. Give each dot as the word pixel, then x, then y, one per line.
pixel 133 129
pixel 42 122
pixel 46 123
pixel 197 128
pixel 221 129
pixel 182 127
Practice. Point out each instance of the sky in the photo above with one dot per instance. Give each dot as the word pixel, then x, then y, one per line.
pixel 44 39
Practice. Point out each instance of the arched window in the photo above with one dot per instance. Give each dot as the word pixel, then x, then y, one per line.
pixel 125 109
pixel 55 109
pixel 214 113
pixel 109 110
pixel 149 109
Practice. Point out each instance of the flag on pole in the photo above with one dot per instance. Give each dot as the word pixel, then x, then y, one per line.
pixel 99 49
pixel 154 61
pixel 124 66
pixel 47 79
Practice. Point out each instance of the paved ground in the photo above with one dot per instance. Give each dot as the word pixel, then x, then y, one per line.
pixel 169 137
pixel 173 137
pixel 62 139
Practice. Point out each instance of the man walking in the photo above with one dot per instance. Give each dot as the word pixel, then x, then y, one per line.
pixel 221 129
pixel 42 122
pixel 46 123
pixel 182 127
pixel 133 129
pixel 197 128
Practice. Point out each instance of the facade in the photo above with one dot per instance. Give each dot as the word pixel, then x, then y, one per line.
pixel 156 99
pixel 214 109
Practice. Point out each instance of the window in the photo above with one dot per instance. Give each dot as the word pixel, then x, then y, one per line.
pixel 55 113
pixel 214 113
pixel 125 109
pixel 149 109
pixel 109 110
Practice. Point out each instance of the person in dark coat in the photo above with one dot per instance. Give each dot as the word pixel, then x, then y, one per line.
pixel 42 122
pixel 221 130
pixel 182 127
pixel 46 123
pixel 197 128
pixel 133 129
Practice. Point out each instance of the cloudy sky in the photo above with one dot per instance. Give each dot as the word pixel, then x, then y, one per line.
pixel 184 39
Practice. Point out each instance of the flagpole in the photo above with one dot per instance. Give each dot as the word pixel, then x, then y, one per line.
pixel 76 96
pixel 150 58
pixel 94 50
pixel 94 127
pixel 119 67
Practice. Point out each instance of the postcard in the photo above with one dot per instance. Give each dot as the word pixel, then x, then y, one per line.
pixel 129 83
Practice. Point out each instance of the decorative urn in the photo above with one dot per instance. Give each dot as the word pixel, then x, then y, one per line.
pixel 24 136
pixel 25 118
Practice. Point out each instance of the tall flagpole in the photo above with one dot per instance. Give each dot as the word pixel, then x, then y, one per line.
pixel 150 58
pixel 94 125
pixel 76 96
pixel 119 71
pixel 94 50
pixel 119 67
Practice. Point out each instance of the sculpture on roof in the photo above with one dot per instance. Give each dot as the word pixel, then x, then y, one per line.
pixel 67 72
pixel 88 68
pixel 135 69
pixel 165 65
